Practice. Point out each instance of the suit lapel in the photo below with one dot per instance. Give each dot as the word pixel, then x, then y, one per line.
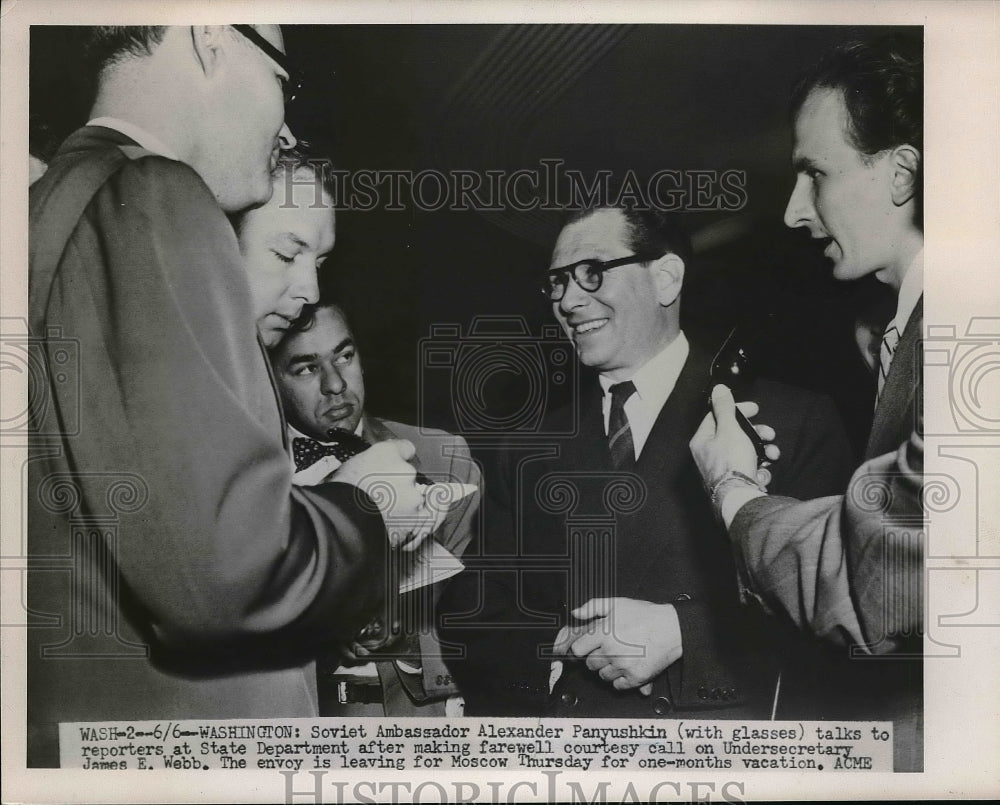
pixel 665 466
pixel 375 430
pixel 666 452
pixel 588 447
pixel 893 414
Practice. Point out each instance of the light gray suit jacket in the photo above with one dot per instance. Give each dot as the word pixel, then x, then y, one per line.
pixel 849 568
pixel 441 456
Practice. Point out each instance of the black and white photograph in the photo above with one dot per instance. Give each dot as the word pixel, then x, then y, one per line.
pixel 508 401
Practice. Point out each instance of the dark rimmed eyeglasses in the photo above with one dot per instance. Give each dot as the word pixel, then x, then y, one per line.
pixel 588 274
pixel 292 87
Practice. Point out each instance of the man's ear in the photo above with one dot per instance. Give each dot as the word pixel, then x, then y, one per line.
pixel 209 43
pixel 905 166
pixel 668 276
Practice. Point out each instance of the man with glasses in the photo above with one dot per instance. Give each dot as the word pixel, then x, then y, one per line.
pixel 174 571
pixel 645 622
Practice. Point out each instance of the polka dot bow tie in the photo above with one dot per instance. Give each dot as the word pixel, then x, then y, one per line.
pixel 343 445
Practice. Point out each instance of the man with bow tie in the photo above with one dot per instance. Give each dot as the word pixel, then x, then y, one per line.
pixel 321 382
pixel 610 590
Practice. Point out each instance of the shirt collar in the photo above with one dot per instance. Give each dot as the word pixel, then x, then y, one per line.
pixel 909 292
pixel 295 433
pixel 148 141
pixel 656 378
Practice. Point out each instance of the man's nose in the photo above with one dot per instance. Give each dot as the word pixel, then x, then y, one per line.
pixel 799 210
pixel 332 382
pixel 286 140
pixel 305 286
pixel 573 297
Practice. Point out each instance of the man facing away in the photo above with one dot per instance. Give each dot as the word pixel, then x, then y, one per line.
pixel 847 568
pixel 613 593
pixel 174 571
pixel 319 373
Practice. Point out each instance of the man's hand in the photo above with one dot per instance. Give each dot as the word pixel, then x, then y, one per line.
pixel 354 653
pixel 384 473
pixel 719 445
pixel 627 642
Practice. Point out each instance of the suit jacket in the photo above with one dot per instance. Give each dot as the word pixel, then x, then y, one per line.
pixel 444 457
pixel 562 527
pixel 173 570
pixel 441 456
pixel 850 568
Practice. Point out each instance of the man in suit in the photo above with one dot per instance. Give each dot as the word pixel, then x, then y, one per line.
pixel 850 568
pixel 174 572
pixel 318 369
pixel 603 570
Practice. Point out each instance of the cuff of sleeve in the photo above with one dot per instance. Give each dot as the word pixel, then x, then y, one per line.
pixel 700 669
pixel 734 499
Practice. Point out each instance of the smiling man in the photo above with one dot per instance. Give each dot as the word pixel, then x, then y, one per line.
pixel 654 609
pixel 846 568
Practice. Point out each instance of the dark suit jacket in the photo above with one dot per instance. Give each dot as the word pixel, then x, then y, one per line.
pixel 563 527
pixel 850 568
pixel 174 572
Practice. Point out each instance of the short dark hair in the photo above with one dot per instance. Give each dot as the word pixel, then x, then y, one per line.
pixel 307 318
pixel 882 82
pixel 651 232
pixel 104 45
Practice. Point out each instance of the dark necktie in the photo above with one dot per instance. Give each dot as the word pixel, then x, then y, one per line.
pixel 619 432
pixel 890 340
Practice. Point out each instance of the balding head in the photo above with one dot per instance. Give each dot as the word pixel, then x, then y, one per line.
pixel 212 95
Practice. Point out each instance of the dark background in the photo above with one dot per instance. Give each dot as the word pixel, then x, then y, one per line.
pixel 486 97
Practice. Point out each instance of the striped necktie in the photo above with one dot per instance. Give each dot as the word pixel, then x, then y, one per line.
pixel 890 340
pixel 619 432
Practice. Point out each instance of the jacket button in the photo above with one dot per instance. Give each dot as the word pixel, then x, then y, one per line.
pixel 682 597
pixel 569 699
pixel 702 692
pixel 661 705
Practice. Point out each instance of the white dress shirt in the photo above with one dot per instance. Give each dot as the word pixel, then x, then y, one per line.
pixel 654 382
pixel 909 293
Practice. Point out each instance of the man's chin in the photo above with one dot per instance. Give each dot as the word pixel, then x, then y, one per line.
pixel 348 423
pixel 590 356
pixel 271 334
pixel 271 338
pixel 845 271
